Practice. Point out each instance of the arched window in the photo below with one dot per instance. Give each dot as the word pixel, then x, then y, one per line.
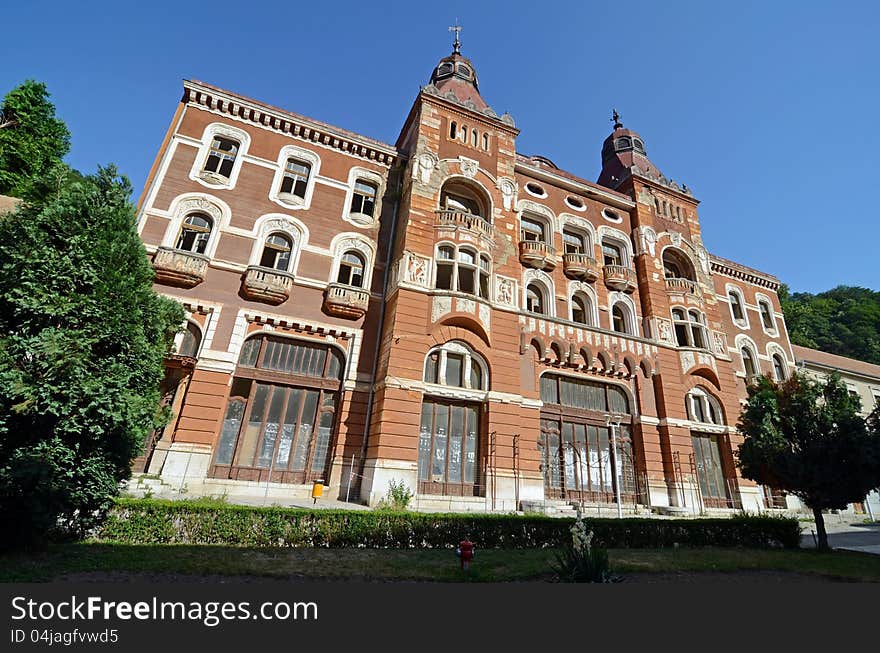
pixel 486 142
pixel 750 362
pixel 363 200
pixel 463 269
pixel 737 309
pixel 579 460
pixel 221 157
pixel 462 197
pixel 532 230
pixel 621 318
pixel 535 299
pixel 351 270
pixel 575 242
pixel 449 434
pixel 677 266
pixel 194 233
pixel 456 365
pixel 581 309
pixel 190 341
pixel 690 328
pixel 281 413
pixel 295 179
pixel 474 137
pixel 613 252
pixel 453 128
pixel 277 252
pixel 779 369
pixel 767 320
pixel 703 407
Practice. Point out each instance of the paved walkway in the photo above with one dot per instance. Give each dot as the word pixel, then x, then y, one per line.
pixel 845 532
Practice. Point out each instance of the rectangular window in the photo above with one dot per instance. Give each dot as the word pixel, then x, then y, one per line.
pixel 296 178
pixel 574 243
pixel 221 156
pixel 611 254
pixel 364 198
pixel 531 230
pixel 448 446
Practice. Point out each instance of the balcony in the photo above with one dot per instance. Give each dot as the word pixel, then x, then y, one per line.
pixel 620 277
pixel 466 221
pixel 266 284
pixel 346 301
pixel 580 266
pixel 179 268
pixel 681 286
pixel 537 254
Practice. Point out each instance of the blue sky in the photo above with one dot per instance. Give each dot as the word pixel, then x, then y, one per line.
pixel 766 110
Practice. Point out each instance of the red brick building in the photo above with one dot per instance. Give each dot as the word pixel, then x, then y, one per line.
pixel 489 329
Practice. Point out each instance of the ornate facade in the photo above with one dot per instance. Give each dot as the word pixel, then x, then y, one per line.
pixel 493 331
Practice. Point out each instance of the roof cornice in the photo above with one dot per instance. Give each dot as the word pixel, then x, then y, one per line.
pixel 300 127
pixel 736 271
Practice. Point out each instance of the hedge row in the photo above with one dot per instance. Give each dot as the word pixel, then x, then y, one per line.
pixel 147 521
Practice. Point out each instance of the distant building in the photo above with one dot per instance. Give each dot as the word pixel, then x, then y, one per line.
pixel 494 331
pixel 863 381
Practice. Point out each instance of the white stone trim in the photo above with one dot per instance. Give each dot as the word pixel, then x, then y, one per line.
pixel 579 224
pixel 188 203
pixel 728 288
pixel 295 152
pixel 542 213
pixel 456 347
pixel 348 241
pixel 580 287
pixel 220 129
pixel 545 280
pixel 630 315
pixel 773 332
pixel 616 235
pixel 271 223
pixel 358 219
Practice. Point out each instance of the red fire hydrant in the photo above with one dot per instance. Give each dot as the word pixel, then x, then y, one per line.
pixel 465 552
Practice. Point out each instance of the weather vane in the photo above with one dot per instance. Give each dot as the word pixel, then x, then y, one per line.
pixel 616 118
pixel 456 46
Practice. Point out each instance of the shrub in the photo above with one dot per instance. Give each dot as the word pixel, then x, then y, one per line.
pixel 397 497
pixel 139 521
pixel 579 561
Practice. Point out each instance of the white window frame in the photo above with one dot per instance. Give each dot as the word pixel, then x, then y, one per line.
pixel 730 288
pixel 224 131
pixel 189 203
pixel 293 202
pixel 774 329
pixel 346 242
pixel 362 220
pixel 545 281
pixel 470 357
pixel 744 341
pixel 271 223
pixel 580 288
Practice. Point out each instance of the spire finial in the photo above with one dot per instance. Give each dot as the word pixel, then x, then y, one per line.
pixel 616 118
pixel 456 45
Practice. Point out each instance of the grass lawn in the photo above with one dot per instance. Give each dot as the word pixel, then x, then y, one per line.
pixel 115 561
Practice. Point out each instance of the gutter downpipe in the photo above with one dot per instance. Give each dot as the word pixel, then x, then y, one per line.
pixel 369 415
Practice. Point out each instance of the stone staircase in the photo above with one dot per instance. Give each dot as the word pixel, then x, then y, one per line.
pixel 142 486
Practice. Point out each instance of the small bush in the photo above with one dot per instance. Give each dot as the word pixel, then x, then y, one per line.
pixel 580 561
pixel 139 521
pixel 397 497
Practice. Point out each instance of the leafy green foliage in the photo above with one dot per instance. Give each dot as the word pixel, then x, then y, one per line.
pixel 807 438
pixel 843 321
pixel 581 562
pixel 397 497
pixel 32 142
pixel 82 336
pixel 139 521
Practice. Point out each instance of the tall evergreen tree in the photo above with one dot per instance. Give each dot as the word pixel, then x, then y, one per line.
pixel 82 337
pixel 807 438
pixel 32 141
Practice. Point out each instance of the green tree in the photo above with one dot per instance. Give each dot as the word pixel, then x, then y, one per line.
pixel 82 338
pixel 807 438
pixel 32 141
pixel 844 320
